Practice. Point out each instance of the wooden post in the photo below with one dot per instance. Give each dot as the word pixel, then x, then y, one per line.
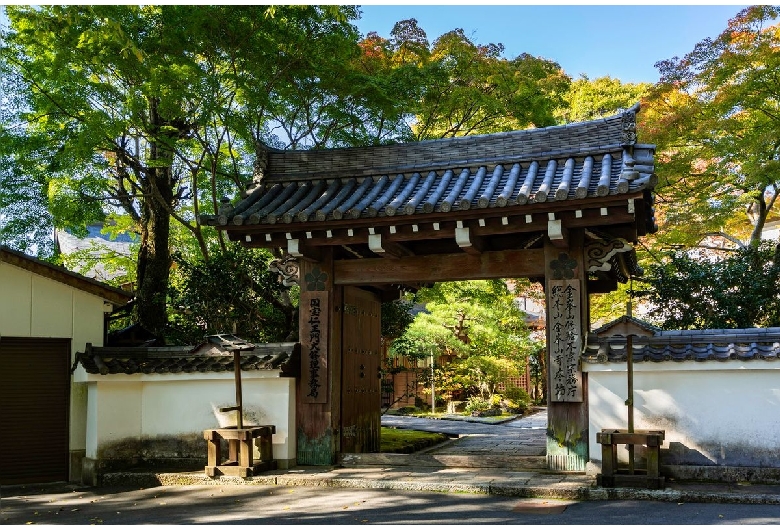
pixel 318 398
pixel 630 392
pixel 239 400
pixel 630 400
pixel 567 312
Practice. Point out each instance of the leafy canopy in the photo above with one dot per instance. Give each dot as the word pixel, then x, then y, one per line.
pixel 715 116
pixel 475 333
pixel 736 289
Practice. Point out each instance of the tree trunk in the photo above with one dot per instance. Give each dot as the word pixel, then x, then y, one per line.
pixel 154 257
pixel 154 260
pixel 760 219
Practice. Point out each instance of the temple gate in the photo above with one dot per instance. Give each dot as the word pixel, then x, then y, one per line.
pixel 559 205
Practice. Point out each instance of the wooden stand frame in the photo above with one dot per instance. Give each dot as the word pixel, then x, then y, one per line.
pixel 612 476
pixel 240 461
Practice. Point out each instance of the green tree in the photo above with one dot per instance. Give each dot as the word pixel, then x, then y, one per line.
pixel 151 113
pixel 715 116
pixel 233 292
pixel 475 333
pixel 474 90
pixel 455 87
pixel 592 99
pixel 702 290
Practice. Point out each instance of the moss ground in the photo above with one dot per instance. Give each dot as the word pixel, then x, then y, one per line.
pixel 407 441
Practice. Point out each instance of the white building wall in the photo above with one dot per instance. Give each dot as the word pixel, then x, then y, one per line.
pixel 713 413
pixel 15 302
pixel 35 306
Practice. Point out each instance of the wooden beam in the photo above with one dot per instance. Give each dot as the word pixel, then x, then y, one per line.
pixel 442 267
pixel 602 286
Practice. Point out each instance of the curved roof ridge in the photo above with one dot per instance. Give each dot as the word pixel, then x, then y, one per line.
pixel 558 140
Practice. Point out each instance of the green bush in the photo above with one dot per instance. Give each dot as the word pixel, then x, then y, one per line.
pixel 477 404
pixel 516 400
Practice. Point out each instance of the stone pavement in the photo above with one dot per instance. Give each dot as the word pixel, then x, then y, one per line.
pixel 486 458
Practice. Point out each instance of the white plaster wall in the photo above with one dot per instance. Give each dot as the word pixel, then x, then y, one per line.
pixel 15 301
pixel 119 412
pixel 167 405
pixel 87 326
pixel 713 413
pixel 52 308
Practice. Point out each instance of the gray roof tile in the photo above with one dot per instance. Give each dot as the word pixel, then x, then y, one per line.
pixel 206 357
pixel 553 164
pixel 688 345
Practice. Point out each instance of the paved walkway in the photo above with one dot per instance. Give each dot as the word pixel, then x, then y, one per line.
pixel 478 441
pixel 524 436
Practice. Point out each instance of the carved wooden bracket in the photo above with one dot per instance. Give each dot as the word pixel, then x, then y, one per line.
pixel 287 269
pixel 599 253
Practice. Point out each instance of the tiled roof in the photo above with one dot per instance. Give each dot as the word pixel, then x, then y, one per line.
pixel 206 357
pixel 98 245
pixel 684 345
pixel 578 161
pixel 646 326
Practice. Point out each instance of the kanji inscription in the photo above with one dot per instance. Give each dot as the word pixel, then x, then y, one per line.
pixel 565 341
pixel 314 346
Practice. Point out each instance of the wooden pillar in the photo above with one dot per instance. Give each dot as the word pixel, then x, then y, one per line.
pixel 318 396
pixel 567 324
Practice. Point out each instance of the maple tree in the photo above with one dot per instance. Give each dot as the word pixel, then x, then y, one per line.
pixel 715 116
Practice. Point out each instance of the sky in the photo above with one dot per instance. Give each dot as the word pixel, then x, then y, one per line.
pixel 620 41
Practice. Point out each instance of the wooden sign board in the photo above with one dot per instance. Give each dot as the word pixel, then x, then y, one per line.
pixel 565 341
pixel 314 346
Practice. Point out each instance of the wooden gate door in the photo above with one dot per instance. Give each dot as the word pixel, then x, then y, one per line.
pixel 361 375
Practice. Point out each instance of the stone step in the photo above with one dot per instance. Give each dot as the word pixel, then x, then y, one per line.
pixel 516 463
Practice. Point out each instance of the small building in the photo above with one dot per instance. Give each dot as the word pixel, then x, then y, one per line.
pixel 47 314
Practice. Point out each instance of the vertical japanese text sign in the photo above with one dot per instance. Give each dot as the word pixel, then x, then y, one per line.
pixel 565 341
pixel 314 325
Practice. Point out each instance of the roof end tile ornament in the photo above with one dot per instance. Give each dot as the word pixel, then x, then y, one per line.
pixel 629 136
pixel 261 162
pixel 629 139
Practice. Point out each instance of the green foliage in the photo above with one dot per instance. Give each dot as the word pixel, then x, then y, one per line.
pixel 715 116
pixel 735 290
pixel 233 292
pixel 485 372
pixel 598 98
pixel 474 90
pixel 474 332
pixel 396 318
pixel 153 113
pixel 477 404
pixel 606 307
pixel 516 398
pixel 455 87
